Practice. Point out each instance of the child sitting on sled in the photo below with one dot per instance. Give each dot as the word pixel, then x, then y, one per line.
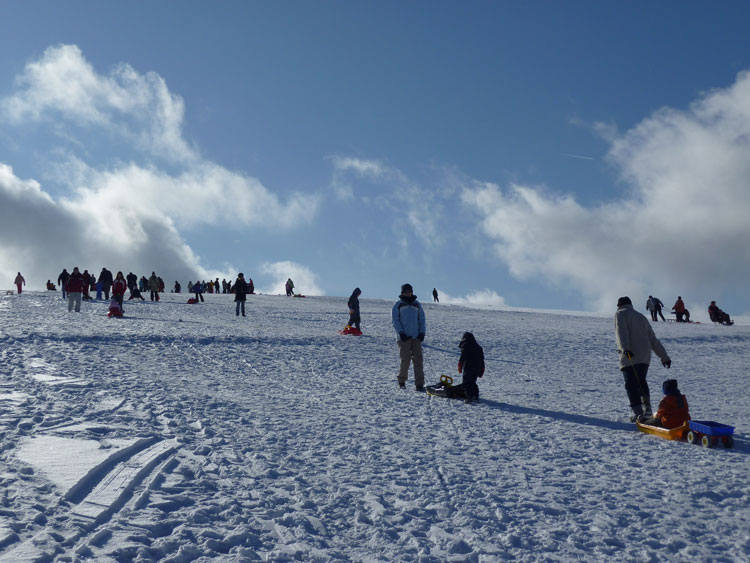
pixel 114 308
pixel 471 365
pixel 673 408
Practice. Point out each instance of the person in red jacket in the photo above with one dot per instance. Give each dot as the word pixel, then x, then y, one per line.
pixel 683 315
pixel 119 285
pixel 75 286
pixel 673 409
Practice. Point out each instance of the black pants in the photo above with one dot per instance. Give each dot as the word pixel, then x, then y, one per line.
pixel 240 305
pixel 199 297
pixel 154 296
pixel 636 386
pixel 354 320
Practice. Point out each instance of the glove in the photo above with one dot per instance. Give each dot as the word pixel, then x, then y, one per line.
pixel 667 363
pixel 403 337
pixel 628 354
pixel 420 337
pixel 460 367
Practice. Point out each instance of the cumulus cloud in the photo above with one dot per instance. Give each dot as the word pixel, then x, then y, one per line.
pixel 62 84
pixel 41 236
pixel 483 298
pixel 126 213
pixel 305 280
pixel 681 228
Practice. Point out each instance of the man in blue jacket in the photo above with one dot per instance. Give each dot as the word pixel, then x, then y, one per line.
pixel 409 323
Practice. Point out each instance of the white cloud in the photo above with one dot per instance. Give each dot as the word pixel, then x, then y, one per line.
pixel 41 236
pixel 127 213
pixel 410 203
pixel 63 85
pixel 483 298
pixel 683 228
pixel 305 280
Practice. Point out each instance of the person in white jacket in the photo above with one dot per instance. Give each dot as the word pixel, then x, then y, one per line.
pixel 635 341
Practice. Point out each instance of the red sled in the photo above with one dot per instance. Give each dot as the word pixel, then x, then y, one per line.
pixel 192 300
pixel 114 313
pixel 351 330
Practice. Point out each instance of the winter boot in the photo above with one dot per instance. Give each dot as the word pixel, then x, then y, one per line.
pixel 646 401
pixel 637 413
pixel 420 388
pixel 402 385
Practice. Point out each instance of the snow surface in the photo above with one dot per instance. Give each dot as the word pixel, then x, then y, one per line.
pixel 274 438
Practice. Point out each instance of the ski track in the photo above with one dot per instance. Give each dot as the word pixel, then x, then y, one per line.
pixel 293 443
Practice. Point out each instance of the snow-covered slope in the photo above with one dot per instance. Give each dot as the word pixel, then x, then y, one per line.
pixel 182 433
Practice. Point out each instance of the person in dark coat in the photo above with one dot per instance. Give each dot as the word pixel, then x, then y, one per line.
pixel 435 295
pixel 240 293
pixel 86 283
pixel 353 304
pixel 198 290
pixel 717 315
pixel 132 280
pixel 471 364
pixel 106 279
pixel 62 281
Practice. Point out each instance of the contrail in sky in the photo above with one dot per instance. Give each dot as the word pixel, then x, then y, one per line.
pixel 578 156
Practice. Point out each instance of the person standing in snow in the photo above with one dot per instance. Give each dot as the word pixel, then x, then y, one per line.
pixel 240 293
pixel 409 323
pixel 289 287
pixel 105 278
pixel 86 284
pixel 435 295
pixel 119 285
pixel 353 304
pixel 62 281
pixel 198 291
pixel 153 286
pixel 471 364
pixel 75 288
pixel 635 340
pixel 19 282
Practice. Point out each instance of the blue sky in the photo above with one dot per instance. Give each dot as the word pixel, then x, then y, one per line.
pixel 533 154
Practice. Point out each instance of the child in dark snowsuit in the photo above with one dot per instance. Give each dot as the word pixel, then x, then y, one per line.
pixel 353 304
pixel 471 364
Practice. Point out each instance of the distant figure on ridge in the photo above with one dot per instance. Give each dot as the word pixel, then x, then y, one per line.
pixel 240 293
pixel 19 281
pixel 719 316
pixel 435 295
pixel 62 281
pixel 74 287
pixel 682 314
pixel 119 285
pixel 289 287
pixel 654 305
pixel 153 286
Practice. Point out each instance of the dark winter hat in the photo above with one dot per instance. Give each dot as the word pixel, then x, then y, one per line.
pixel 407 288
pixel 240 275
pixel 622 301
pixel 669 387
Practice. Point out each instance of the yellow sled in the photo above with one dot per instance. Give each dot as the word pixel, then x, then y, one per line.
pixel 666 433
